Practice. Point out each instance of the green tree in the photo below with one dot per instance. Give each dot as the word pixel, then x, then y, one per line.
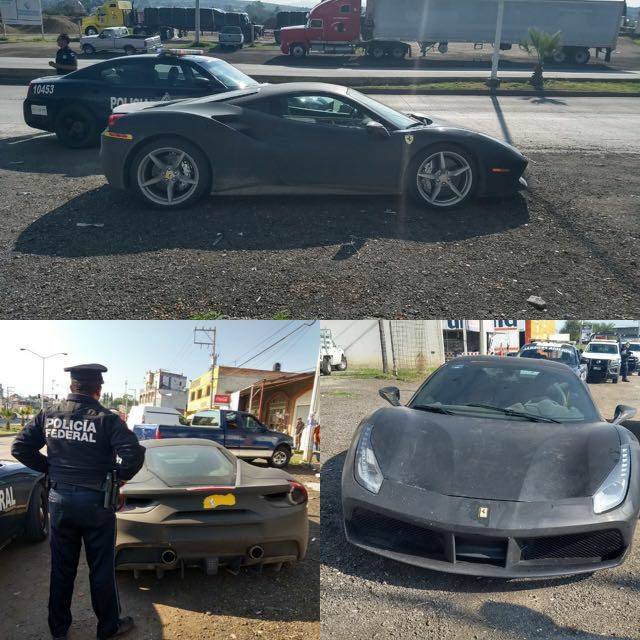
pixel 7 415
pixel 24 413
pixel 542 45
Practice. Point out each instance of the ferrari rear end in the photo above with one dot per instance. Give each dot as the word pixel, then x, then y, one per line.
pixel 259 516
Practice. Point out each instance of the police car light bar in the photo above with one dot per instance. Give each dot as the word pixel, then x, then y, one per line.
pixel 180 52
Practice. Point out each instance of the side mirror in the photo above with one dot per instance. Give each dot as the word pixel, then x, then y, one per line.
pixel 623 412
pixel 391 395
pixel 377 130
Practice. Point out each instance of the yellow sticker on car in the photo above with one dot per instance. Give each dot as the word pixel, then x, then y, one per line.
pixel 218 499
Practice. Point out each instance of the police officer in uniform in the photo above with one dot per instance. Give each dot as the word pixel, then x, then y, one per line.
pixel 83 439
pixel 66 60
pixel 625 352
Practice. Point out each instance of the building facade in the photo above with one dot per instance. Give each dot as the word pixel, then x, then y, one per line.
pixel 164 389
pixel 212 389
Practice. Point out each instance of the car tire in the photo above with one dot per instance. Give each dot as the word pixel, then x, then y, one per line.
pixel 280 457
pixel 455 159
pixel 297 50
pixel 377 51
pixel 129 50
pixel 343 364
pixel 88 49
pixel 196 159
pixel 36 526
pixel 581 55
pixel 559 56
pixel 325 366
pixel 398 52
pixel 76 127
pixel 90 31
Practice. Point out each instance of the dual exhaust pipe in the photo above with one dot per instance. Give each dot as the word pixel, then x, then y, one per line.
pixel 169 556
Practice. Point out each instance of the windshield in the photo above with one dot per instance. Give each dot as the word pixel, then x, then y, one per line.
pixel 191 465
pixel 634 347
pixel 397 119
pixel 230 30
pixel 601 347
pixel 553 394
pixel 229 76
pixel 549 352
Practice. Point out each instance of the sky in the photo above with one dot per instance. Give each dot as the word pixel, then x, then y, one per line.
pixel 128 348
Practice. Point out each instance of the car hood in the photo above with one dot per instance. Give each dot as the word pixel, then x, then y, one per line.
pixel 493 459
pixel 601 356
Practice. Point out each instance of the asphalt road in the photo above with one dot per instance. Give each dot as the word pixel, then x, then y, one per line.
pixel 461 58
pixel 246 606
pixel 572 238
pixel 364 596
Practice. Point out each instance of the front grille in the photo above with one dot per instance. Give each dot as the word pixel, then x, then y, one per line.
pixel 605 545
pixel 383 532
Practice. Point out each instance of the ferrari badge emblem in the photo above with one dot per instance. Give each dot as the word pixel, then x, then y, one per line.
pixel 483 512
pixel 408 138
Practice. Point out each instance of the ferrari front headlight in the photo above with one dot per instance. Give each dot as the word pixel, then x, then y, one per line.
pixel 613 490
pixel 367 471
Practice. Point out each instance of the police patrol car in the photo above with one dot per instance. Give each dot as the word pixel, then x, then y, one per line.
pixel 76 106
pixel 23 503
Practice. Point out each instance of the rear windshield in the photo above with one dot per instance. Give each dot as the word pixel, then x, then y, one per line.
pixel 191 465
pixel 230 30
pixel 559 354
pixel 206 419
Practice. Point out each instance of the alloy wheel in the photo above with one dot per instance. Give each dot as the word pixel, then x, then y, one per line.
pixel 444 179
pixel 168 176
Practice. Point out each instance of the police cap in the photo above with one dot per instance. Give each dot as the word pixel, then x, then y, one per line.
pixel 87 372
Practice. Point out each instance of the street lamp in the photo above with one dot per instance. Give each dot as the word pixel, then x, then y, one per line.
pixel 43 358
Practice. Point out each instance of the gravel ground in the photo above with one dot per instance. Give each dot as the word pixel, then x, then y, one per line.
pixel 250 605
pixel 364 596
pixel 572 239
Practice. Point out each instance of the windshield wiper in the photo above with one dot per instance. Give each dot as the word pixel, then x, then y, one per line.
pixel 511 412
pixel 435 408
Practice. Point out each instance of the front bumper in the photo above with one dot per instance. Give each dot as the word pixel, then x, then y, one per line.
pixel 602 370
pixel 516 539
pixel 198 538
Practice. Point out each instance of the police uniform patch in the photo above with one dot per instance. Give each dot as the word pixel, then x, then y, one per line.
pixel 408 138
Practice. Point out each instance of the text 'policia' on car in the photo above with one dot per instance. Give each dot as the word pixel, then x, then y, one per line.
pixel 495 467
pixel 299 138
pixel 76 106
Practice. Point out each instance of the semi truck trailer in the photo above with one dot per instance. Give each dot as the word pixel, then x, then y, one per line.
pixel 388 27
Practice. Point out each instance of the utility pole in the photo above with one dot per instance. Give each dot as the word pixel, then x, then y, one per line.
pixel 483 339
pixel 43 359
pixel 493 81
pixel 464 338
pixel 207 338
pixel 197 25
pixel 383 346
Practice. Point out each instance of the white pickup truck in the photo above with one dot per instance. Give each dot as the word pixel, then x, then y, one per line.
pixel 118 39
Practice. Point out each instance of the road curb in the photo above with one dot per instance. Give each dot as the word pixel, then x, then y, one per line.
pixel 501 92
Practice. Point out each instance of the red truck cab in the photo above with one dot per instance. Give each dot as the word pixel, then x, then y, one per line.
pixel 333 27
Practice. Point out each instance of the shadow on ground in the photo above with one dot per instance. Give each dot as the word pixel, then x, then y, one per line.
pixel 256 223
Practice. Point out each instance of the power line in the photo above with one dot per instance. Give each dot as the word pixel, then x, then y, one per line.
pixel 261 342
pixel 307 324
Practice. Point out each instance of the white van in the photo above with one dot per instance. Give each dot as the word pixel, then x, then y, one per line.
pixel 142 414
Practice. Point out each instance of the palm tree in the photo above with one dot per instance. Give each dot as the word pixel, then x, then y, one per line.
pixel 24 413
pixel 7 415
pixel 542 45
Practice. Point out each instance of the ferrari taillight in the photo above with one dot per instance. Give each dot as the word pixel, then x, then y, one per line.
pixel 297 493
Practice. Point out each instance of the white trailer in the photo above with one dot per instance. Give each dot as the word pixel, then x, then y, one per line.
pixel 583 24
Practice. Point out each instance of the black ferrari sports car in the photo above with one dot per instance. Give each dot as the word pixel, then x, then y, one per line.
pixel 23 503
pixel 299 138
pixel 495 467
pixel 194 503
